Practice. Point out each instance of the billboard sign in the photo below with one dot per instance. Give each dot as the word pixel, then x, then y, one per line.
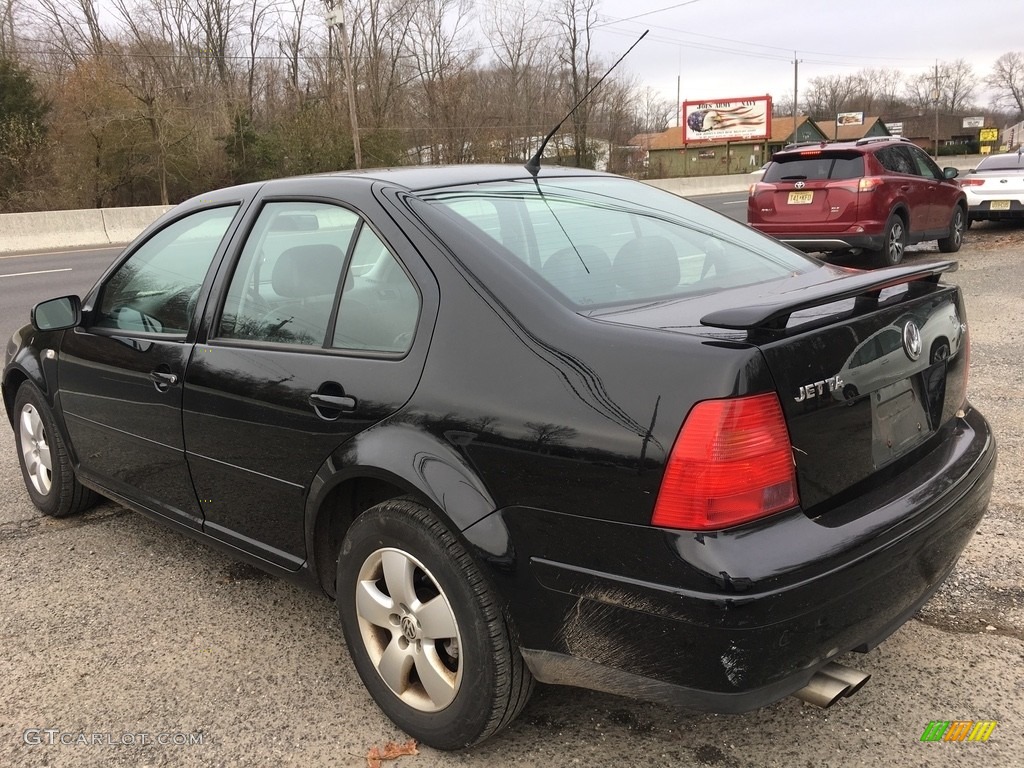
pixel 988 134
pixel 850 118
pixel 896 129
pixel 974 122
pixel 727 119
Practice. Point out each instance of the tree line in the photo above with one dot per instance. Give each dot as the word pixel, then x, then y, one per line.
pixel 133 102
pixel 951 87
pixel 130 102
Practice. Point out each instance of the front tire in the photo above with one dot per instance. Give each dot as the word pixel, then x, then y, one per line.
pixel 45 465
pixel 957 227
pixel 428 637
pixel 895 242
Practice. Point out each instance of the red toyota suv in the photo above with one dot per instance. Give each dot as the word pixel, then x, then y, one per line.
pixel 874 195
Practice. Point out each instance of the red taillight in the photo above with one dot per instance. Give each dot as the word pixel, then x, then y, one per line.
pixel 971 182
pixel 869 183
pixel 731 463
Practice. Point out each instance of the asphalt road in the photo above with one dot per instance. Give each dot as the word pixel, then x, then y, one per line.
pixel 27 279
pixel 112 625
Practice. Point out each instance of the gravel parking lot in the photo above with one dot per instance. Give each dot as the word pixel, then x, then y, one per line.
pixel 158 651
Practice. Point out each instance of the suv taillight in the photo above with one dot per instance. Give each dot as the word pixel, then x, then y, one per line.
pixel 731 463
pixel 869 183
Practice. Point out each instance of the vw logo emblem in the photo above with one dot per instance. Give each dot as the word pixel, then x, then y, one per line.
pixel 799 185
pixel 912 340
pixel 409 628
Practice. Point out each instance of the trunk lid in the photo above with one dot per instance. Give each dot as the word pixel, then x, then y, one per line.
pixel 868 366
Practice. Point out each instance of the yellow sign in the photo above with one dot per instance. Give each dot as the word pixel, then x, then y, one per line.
pixel 988 134
pixel 986 150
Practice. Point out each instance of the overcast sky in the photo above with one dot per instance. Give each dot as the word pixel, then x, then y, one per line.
pixel 729 48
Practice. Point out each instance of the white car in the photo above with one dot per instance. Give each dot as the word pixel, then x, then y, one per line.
pixel 995 189
pixel 884 357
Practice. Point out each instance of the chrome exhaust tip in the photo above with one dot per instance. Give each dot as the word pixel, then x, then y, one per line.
pixel 852 677
pixel 823 691
pixel 831 683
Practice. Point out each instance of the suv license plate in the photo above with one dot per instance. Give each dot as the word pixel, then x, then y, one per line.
pixel 995 205
pixel 800 198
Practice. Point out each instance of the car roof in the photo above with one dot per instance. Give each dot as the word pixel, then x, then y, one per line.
pixel 1002 162
pixel 418 178
pixel 412 178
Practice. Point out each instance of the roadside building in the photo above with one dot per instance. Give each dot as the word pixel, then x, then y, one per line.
pixel 668 156
pixel 869 128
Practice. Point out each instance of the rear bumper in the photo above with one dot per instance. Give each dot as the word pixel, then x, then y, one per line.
pixel 868 235
pixel 732 621
pixel 982 211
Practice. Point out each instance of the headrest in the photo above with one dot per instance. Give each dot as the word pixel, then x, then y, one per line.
pixel 647 266
pixel 306 271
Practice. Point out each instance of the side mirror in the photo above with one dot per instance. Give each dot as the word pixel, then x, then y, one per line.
pixel 57 314
pixel 950 173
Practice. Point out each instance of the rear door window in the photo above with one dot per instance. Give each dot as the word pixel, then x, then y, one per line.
pixel 897 160
pixel 818 166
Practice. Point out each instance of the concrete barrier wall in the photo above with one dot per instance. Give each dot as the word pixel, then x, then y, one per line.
pixel 704 185
pixel 122 225
pixel 54 230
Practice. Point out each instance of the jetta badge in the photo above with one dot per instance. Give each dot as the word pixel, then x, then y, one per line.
pixel 912 340
pixel 818 388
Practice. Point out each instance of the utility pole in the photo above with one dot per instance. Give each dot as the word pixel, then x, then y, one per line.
pixel 336 17
pixel 935 96
pixel 796 66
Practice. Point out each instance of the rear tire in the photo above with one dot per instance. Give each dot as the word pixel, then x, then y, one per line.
pixel 895 242
pixel 957 227
pixel 45 466
pixel 431 642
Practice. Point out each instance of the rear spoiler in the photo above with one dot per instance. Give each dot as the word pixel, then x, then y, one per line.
pixel 771 313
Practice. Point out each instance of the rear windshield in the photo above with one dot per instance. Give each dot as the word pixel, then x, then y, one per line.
pixel 1002 163
pixel 815 166
pixel 607 240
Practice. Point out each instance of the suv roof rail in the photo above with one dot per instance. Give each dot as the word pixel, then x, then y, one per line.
pixel 806 144
pixel 873 139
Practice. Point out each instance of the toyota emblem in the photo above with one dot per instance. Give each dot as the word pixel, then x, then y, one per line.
pixel 799 185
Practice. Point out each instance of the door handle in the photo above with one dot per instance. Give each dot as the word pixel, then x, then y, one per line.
pixel 163 380
pixel 330 407
pixel 341 403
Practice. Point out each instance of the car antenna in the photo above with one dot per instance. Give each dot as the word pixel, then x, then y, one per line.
pixel 533 164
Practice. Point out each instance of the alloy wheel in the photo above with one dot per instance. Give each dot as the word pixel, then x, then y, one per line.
pixel 895 243
pixel 35 451
pixel 409 630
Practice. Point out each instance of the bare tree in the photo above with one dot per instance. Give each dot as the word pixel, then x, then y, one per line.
pixel 523 93
pixel 957 85
pixel 74 29
pixel 1007 80
pixel 876 91
pixel 576 19
pixel 651 112
pixel 8 39
pixel 438 47
pixel 291 42
pixel 829 95
pixel 380 27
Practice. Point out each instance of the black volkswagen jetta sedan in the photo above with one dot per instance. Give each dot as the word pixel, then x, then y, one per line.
pixel 570 429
